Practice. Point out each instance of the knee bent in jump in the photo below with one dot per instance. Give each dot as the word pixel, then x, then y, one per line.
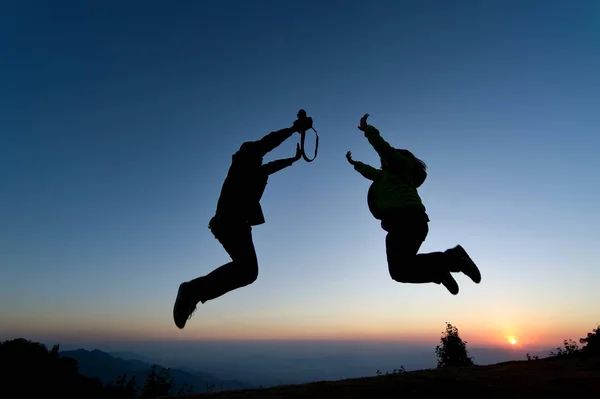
pixel 405 274
pixel 247 271
pixel 400 275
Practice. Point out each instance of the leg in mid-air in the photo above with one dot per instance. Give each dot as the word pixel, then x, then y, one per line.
pixel 462 263
pixel 403 241
pixel 236 238
pixel 394 199
pixel 238 209
pixel 405 265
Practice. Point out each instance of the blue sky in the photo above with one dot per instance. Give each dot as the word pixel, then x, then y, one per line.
pixel 118 121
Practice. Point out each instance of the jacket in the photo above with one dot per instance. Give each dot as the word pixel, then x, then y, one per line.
pixel 242 191
pixel 395 187
pixel 247 179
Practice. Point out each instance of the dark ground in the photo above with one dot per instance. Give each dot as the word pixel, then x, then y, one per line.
pixel 553 377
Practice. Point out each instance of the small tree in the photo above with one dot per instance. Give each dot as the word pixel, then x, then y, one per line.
pixel 185 388
pixel 123 388
pixel 570 348
pixel 210 386
pixel 591 342
pixel 157 384
pixel 452 350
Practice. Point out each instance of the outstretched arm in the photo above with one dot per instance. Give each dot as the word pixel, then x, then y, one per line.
pixel 367 171
pixel 274 140
pixel 383 148
pixel 276 166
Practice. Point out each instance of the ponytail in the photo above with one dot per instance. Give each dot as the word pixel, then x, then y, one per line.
pixel 420 168
pixel 420 173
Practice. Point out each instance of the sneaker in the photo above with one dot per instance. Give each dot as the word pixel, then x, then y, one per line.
pixel 184 306
pixel 466 264
pixel 450 283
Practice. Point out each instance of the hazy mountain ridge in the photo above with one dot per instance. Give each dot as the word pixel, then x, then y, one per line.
pixel 277 363
pixel 107 368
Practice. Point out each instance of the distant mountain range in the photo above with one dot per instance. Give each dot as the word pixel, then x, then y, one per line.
pixel 107 367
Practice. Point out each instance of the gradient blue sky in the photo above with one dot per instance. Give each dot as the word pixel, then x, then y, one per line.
pixel 118 121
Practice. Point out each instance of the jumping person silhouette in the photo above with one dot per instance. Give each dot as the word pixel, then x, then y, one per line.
pixel 393 198
pixel 238 209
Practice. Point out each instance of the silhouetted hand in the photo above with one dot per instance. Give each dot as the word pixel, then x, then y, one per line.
pixel 303 124
pixel 363 122
pixel 349 158
pixel 298 153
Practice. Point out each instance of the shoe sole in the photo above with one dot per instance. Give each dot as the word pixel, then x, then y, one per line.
pixel 472 271
pixel 177 305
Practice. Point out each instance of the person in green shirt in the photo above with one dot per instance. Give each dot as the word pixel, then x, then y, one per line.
pixel 394 200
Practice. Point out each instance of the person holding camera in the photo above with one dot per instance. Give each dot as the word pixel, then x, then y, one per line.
pixel 238 209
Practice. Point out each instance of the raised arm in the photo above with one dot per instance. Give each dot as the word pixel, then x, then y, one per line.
pixel 276 166
pixel 274 139
pixel 367 171
pixel 383 148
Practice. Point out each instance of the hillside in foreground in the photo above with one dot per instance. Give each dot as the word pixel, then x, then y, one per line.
pixel 572 377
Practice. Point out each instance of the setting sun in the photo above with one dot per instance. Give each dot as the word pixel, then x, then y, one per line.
pixel 512 340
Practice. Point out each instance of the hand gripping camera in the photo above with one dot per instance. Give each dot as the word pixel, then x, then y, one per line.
pixel 305 122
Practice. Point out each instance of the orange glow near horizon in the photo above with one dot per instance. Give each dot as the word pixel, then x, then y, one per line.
pixel 228 333
pixel 166 333
pixel 515 333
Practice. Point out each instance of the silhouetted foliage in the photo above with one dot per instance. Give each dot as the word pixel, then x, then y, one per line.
pixel 591 342
pixel 210 386
pixel 569 348
pixel 395 371
pixel 31 369
pixel 122 388
pixel 530 358
pixel 157 384
pixel 452 350
pixel 185 388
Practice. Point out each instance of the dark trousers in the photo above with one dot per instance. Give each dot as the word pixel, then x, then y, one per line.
pixel 235 235
pixel 407 229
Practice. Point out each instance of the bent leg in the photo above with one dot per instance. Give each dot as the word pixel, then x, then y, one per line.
pixel 464 264
pixel 406 266
pixel 236 238
pixel 240 272
pixel 403 241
